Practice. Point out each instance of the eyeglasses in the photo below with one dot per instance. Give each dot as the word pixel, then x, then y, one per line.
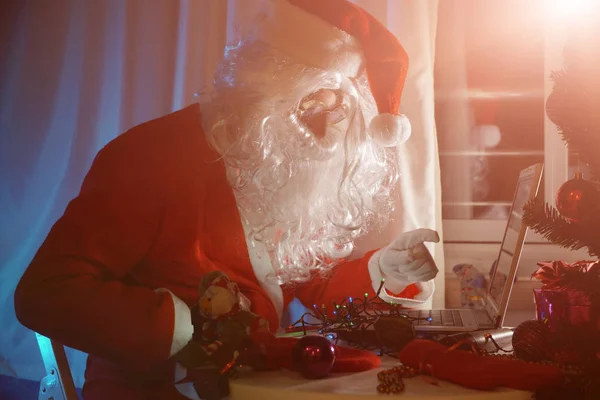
pixel 313 108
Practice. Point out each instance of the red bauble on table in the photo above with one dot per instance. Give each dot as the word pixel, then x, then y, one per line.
pixel 314 356
pixel 531 341
pixel 577 198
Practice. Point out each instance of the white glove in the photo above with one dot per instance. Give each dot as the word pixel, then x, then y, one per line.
pixel 407 260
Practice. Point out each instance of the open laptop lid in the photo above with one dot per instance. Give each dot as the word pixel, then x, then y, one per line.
pixel 507 262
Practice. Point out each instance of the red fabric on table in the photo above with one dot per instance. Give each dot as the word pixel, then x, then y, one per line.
pixel 477 372
pixel 279 352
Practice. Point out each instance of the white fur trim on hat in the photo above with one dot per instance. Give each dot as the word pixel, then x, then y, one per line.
pixel 390 130
pixel 183 330
pixel 308 39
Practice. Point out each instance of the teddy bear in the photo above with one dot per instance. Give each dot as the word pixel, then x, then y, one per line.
pixel 226 333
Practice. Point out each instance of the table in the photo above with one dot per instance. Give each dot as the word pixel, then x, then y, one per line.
pixel 288 385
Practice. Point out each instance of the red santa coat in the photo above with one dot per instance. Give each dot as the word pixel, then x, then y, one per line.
pixel 154 214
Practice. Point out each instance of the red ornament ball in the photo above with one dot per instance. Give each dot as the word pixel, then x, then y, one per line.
pixel 577 198
pixel 314 356
pixel 531 341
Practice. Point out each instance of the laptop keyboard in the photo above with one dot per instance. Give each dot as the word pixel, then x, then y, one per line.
pixel 483 318
pixel 438 317
pixel 450 318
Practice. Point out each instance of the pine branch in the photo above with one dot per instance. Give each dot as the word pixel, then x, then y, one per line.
pixel 573 106
pixel 547 221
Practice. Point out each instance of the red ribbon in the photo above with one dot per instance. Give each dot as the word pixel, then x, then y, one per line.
pixel 475 371
pixel 580 275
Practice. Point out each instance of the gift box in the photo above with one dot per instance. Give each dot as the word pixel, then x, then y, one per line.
pixel 557 307
pixel 568 303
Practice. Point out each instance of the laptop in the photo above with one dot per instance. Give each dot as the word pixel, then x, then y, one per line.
pixel 503 276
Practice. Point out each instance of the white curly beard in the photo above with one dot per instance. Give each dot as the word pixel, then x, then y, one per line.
pixel 307 211
pixel 306 222
pixel 305 200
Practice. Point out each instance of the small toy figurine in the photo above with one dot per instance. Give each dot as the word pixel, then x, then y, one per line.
pixel 224 328
pixel 472 286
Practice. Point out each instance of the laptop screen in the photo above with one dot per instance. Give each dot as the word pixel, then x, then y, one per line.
pixel 512 243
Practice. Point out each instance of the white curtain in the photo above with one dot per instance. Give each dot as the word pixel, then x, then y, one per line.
pixel 454 115
pixel 75 74
pixel 414 23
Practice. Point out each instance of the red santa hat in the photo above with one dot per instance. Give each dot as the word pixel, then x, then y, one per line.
pixel 337 35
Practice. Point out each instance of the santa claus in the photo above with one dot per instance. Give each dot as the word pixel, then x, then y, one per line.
pixel 270 178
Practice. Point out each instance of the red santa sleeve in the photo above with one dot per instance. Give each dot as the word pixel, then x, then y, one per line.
pixel 353 279
pixel 76 289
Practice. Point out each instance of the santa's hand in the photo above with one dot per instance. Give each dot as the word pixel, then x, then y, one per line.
pixel 407 260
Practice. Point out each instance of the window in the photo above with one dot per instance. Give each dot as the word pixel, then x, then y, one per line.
pixel 492 77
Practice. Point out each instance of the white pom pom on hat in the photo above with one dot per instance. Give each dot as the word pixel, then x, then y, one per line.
pixel 340 36
pixel 390 130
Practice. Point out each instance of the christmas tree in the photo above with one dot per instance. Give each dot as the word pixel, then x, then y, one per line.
pixel 574 106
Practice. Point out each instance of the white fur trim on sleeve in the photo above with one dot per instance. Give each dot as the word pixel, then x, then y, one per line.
pixel 422 300
pixel 183 329
pixel 186 389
